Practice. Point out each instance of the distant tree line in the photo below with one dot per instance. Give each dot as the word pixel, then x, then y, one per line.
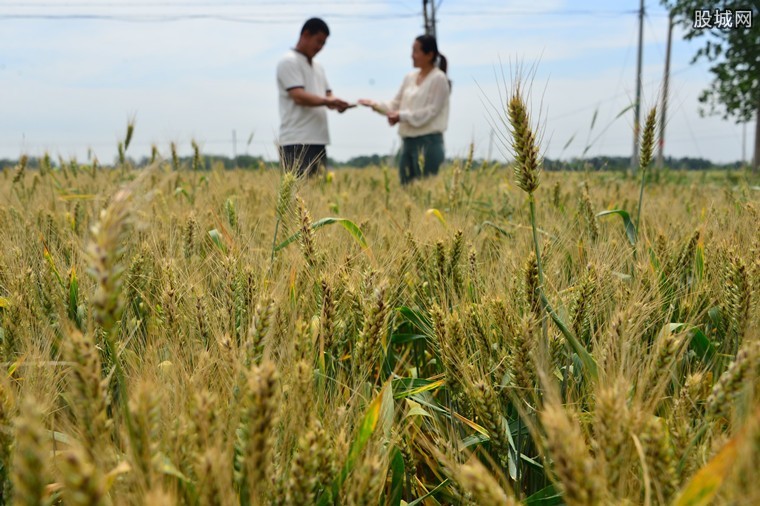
pixel 597 163
pixel 624 162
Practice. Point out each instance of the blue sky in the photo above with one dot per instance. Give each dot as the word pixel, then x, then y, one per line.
pixel 195 69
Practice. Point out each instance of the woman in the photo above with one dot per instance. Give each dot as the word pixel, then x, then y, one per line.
pixel 421 109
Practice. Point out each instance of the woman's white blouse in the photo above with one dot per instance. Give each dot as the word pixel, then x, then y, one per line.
pixel 424 108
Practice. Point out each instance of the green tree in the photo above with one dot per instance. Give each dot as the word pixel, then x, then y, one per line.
pixel 735 55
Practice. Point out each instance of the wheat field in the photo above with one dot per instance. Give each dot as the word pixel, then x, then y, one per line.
pixel 492 335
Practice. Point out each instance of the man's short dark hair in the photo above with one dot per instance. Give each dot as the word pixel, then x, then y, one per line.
pixel 315 26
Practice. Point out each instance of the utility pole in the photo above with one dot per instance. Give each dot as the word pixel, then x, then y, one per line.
pixel 490 145
pixel 756 157
pixel 637 105
pixel 425 16
pixel 664 107
pixel 234 146
pixel 432 18
pixel 428 15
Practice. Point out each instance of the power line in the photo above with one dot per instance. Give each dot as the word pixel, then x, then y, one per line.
pixel 286 17
pixel 245 17
pixel 109 5
pixel 163 18
pixel 610 98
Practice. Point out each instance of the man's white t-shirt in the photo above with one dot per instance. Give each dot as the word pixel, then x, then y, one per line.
pixel 300 124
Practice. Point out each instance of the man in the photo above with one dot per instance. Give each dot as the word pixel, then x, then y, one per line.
pixel 304 97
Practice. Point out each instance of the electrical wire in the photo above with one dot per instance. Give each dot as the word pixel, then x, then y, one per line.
pixel 270 18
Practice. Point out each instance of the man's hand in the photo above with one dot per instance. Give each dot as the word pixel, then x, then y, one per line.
pixel 393 118
pixel 306 99
pixel 336 103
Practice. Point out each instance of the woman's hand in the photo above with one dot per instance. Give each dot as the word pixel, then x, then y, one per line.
pixel 371 103
pixel 393 118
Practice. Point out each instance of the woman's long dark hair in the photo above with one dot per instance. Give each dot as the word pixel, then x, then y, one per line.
pixel 428 44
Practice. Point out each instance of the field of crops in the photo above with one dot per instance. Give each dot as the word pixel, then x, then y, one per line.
pixel 243 337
